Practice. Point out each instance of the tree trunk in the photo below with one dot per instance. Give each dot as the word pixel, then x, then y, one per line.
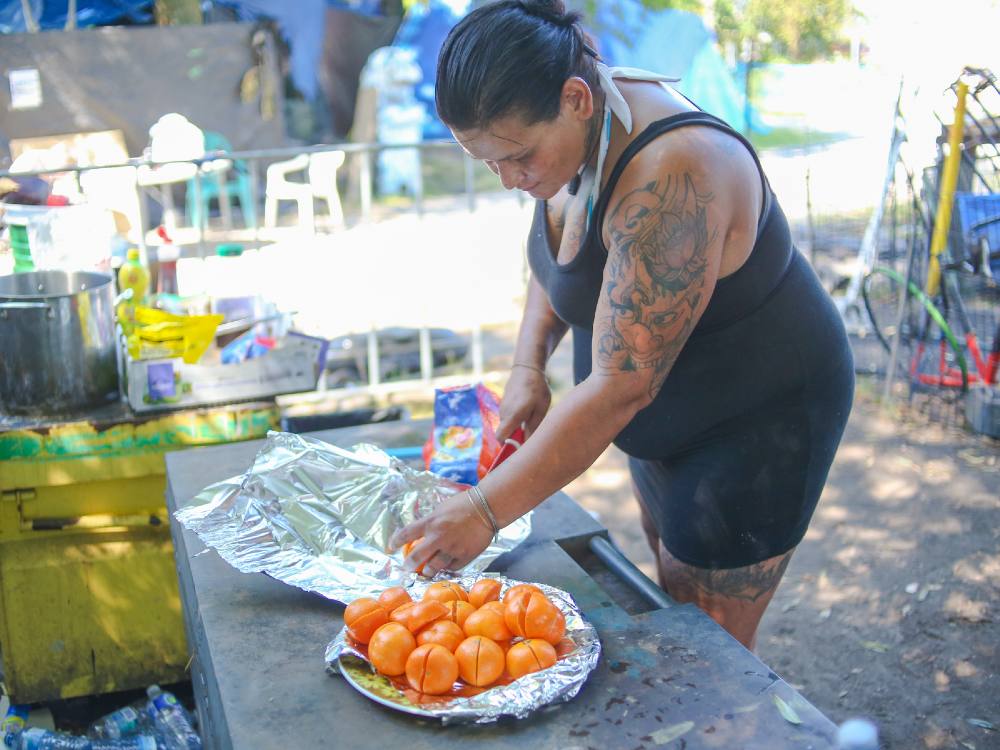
pixel 178 12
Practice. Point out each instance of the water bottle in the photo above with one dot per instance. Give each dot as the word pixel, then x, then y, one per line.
pixel 171 721
pixel 13 724
pixel 42 739
pixel 857 734
pixel 126 721
pixel 135 742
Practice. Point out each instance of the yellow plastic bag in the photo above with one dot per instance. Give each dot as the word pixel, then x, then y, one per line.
pixel 161 334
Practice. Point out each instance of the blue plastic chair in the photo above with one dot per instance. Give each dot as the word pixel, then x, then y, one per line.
pixel 236 184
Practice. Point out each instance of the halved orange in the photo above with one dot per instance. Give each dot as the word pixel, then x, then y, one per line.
pixel 394 597
pixel 480 660
pixel 484 590
pixel 363 617
pixel 431 669
pixel 458 612
pixel 528 656
pixel 446 591
pixel 534 616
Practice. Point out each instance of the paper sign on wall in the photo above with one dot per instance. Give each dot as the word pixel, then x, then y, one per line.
pixel 25 88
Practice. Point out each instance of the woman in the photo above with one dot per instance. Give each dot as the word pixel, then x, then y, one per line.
pixel 704 346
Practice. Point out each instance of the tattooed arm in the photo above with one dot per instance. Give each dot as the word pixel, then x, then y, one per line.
pixel 664 251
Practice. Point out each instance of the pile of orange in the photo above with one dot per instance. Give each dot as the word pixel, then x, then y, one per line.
pixel 452 633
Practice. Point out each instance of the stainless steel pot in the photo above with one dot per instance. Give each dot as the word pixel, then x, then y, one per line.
pixel 58 351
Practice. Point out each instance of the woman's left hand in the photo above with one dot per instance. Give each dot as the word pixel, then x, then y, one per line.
pixel 453 535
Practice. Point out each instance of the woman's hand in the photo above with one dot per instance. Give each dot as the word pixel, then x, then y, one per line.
pixel 453 535
pixel 526 401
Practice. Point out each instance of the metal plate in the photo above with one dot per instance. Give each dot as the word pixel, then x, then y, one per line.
pixel 518 698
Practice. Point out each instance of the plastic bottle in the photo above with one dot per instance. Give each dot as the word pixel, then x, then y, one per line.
pixel 166 257
pixel 13 724
pixel 135 742
pixel 171 722
pixel 131 719
pixel 133 275
pixel 857 734
pixel 43 739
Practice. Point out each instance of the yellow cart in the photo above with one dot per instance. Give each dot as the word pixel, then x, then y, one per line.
pixel 88 587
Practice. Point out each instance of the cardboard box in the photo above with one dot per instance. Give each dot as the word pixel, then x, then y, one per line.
pixel 292 367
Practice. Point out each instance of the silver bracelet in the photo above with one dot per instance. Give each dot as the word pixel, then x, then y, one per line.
pixel 486 508
pixel 479 513
pixel 537 369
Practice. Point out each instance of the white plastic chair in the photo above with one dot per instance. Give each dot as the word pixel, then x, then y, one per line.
pixel 321 175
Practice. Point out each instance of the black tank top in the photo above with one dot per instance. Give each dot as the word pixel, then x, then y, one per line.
pixel 574 287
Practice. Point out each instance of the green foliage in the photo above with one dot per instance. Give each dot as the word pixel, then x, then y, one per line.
pixel 797 30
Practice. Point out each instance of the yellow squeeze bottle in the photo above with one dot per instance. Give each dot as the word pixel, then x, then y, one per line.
pixel 133 275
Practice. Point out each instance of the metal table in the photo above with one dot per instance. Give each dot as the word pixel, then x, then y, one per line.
pixel 668 677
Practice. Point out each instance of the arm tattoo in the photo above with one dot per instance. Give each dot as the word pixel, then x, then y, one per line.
pixel 748 583
pixel 656 275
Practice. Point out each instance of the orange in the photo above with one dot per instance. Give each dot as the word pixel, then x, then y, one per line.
pixel 390 647
pixel 442 632
pixel 488 622
pixel 484 590
pixel 534 616
pixel 431 669
pixel 495 606
pixel 401 613
pixel 515 591
pixel 363 617
pixel 446 591
pixel 458 612
pixel 480 660
pixel 394 597
pixel 415 616
pixel 532 655
pixel 408 548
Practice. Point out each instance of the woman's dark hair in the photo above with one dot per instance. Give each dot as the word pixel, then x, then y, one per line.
pixel 511 57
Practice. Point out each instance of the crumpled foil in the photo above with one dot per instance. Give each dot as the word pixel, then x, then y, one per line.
pixel 559 682
pixel 319 517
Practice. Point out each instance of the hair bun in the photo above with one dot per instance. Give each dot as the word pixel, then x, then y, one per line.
pixel 553 11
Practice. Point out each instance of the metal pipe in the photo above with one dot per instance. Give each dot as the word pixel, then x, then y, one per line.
pixel 630 575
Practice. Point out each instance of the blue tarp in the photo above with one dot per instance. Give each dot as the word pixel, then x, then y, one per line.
pixel 665 41
pixel 673 42
pixel 424 30
pixel 51 14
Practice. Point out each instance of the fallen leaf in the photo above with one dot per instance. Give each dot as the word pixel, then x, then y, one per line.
pixel 875 646
pixel 786 711
pixel 911 588
pixel 982 724
pixel 790 605
pixel 906 610
pixel 968 745
pixel 842 694
pixel 825 614
pixel 668 734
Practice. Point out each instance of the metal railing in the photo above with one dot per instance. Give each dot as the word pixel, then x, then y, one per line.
pixel 364 152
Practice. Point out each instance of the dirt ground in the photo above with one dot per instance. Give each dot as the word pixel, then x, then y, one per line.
pixel 888 609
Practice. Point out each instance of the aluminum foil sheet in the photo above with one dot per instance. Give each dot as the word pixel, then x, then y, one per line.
pixel 560 682
pixel 319 517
